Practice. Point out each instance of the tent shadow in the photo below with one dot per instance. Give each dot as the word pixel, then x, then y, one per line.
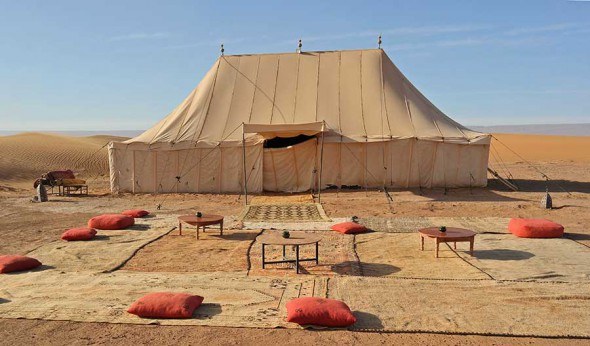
pixel 439 194
pixel 480 194
pixel 530 185
pixel 367 320
pixel 207 310
pixel 503 255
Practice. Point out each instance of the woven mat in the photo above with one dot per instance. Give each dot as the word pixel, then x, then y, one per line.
pixel 108 251
pixel 230 300
pixel 412 224
pixel 473 307
pixel 506 257
pixel 398 255
pixel 295 226
pixel 300 212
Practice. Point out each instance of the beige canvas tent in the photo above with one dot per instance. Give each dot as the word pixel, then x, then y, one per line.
pixel 300 121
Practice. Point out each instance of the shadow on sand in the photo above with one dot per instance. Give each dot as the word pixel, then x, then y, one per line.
pixel 503 255
pixel 367 320
pixel 529 185
pixel 366 269
pixel 207 310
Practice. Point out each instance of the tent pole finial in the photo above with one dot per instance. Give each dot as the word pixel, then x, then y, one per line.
pixel 299 45
pixel 379 41
pixel 222 50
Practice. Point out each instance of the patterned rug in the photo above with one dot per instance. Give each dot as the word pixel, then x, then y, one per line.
pixel 230 300
pixel 304 212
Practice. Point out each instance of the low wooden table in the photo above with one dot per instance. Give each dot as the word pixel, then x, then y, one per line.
pixel 296 239
pixel 203 221
pixel 452 235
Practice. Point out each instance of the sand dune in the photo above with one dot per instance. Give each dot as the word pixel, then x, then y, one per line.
pixel 541 148
pixel 28 155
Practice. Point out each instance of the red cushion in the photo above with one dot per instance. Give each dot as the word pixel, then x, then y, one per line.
pixel 349 228
pixel 17 263
pixel 81 233
pixel 135 213
pixel 319 312
pixel 166 305
pixel 111 221
pixel 535 228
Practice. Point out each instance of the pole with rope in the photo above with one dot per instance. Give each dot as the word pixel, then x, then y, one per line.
pixel 244 164
pixel 321 163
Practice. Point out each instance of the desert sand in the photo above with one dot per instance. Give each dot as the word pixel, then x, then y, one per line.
pixel 24 228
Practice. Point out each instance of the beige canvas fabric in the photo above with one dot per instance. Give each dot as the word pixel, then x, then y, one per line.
pixel 378 129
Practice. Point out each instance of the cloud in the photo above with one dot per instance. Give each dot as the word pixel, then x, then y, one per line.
pixel 140 36
pixel 562 27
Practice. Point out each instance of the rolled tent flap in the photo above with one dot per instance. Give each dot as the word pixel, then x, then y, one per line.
pixel 269 131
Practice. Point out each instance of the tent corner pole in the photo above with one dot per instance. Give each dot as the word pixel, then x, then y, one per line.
pixel 321 166
pixel 244 164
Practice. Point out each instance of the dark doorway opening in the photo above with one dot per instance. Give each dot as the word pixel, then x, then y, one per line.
pixel 283 142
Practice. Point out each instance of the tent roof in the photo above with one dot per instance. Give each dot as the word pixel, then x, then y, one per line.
pixel 359 95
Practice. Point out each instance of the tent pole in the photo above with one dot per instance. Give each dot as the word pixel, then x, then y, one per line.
pixel 321 166
pixel 244 164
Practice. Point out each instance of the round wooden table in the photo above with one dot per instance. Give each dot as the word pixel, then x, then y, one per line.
pixel 296 239
pixel 452 235
pixel 203 221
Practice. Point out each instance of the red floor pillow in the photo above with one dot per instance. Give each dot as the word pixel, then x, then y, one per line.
pixel 166 305
pixel 349 228
pixel 17 263
pixel 111 221
pixel 81 233
pixel 535 228
pixel 319 312
pixel 136 213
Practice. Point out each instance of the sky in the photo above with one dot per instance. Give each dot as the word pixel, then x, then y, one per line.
pixel 124 65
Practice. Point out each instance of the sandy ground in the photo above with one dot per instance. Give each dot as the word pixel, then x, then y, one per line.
pixel 25 226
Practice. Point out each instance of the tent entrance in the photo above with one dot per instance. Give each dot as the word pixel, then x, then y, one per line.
pixel 289 155
pixel 283 142
pixel 290 168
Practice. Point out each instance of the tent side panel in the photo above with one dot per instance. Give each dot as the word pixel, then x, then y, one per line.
pixel 167 170
pixel 399 163
pixel 473 164
pixel 188 170
pixel 331 167
pixel 376 161
pixel 352 164
pixel 209 170
pixel 144 171
pixel 121 165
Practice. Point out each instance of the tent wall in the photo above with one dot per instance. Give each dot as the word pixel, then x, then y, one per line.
pixel 397 164
pixel 201 170
pixel 405 163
